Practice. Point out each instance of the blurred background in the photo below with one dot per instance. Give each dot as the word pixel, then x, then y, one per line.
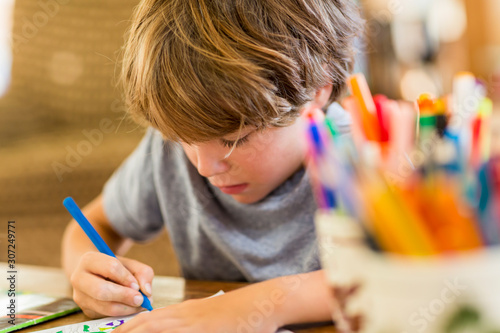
pixel 63 128
pixel 417 46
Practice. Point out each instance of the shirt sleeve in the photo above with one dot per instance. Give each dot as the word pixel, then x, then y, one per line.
pixel 129 197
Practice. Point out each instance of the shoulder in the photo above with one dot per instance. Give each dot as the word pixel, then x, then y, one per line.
pixel 158 148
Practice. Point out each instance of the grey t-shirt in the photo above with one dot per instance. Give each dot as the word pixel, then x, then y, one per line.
pixel 214 236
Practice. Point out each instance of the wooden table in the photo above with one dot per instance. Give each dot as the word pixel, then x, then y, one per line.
pixel 168 290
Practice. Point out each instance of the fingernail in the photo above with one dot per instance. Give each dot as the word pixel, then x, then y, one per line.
pixel 147 288
pixel 134 286
pixel 138 300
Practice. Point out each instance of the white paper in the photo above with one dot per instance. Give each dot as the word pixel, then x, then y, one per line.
pixel 102 325
pixel 98 325
pixel 107 324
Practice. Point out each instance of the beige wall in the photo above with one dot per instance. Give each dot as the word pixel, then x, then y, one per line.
pixel 484 37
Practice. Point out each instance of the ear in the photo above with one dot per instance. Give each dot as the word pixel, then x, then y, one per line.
pixel 313 108
pixel 322 96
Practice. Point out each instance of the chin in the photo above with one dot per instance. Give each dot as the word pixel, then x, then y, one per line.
pixel 247 199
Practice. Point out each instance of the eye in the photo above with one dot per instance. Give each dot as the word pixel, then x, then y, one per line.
pixel 241 141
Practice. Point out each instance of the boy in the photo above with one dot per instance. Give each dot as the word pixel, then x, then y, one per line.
pixel 222 85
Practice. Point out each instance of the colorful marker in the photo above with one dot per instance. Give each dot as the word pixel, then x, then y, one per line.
pixel 94 236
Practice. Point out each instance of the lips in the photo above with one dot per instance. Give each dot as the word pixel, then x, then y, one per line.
pixel 233 189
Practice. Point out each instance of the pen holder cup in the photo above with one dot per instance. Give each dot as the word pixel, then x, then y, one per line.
pixel 386 293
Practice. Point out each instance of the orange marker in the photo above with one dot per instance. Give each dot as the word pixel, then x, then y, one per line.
pixel 351 105
pixel 453 226
pixel 360 90
pixel 426 104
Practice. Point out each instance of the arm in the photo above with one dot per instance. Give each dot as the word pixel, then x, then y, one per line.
pixel 259 308
pixel 307 299
pixel 103 285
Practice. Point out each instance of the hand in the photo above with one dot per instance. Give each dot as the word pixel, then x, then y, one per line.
pixel 107 286
pixel 233 312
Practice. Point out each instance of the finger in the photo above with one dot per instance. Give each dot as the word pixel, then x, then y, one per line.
pixel 150 322
pixel 96 309
pixel 96 288
pixel 143 273
pixel 91 313
pixel 108 309
pixel 109 268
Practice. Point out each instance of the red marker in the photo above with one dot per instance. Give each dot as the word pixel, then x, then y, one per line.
pixel 383 116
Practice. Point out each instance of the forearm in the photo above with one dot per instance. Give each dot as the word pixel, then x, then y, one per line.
pixel 287 300
pixel 306 299
pixel 75 243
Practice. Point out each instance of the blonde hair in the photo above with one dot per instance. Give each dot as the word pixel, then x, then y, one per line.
pixel 201 69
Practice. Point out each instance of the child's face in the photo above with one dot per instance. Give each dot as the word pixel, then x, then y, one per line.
pixel 260 162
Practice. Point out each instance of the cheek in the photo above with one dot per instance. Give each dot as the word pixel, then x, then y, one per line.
pixel 252 162
pixel 290 146
pixel 270 155
pixel 251 156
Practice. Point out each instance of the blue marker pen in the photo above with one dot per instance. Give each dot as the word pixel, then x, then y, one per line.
pixel 96 239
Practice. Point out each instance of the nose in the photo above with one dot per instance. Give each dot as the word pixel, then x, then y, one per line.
pixel 210 160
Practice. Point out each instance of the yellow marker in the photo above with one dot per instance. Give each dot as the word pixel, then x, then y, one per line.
pixel 395 225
